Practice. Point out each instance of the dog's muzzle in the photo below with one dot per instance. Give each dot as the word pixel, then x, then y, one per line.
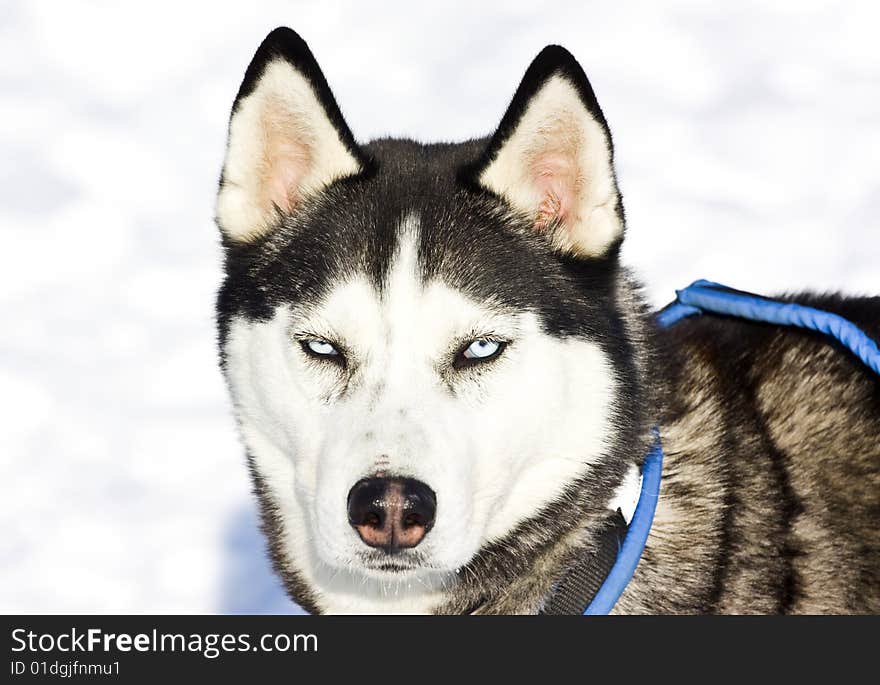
pixel 391 513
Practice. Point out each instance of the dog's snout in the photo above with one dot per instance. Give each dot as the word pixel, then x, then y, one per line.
pixel 391 513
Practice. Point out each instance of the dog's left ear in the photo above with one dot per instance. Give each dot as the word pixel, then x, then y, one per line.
pixel 552 158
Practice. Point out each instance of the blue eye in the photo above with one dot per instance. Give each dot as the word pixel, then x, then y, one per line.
pixel 321 348
pixel 479 351
pixel 482 349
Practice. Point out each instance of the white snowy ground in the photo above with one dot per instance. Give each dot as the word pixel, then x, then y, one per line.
pixel 748 147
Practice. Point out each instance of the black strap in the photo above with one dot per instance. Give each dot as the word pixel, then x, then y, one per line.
pixel 574 592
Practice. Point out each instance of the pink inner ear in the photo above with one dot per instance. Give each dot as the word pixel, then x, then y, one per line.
pixel 555 179
pixel 286 166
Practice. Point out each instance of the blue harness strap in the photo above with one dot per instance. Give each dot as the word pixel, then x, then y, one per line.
pixel 705 296
pixel 711 298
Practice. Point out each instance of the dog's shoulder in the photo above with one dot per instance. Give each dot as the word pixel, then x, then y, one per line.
pixel 788 422
pixel 813 398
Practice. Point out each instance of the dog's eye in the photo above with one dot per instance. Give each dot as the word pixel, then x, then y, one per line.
pixel 482 349
pixel 320 348
pixel 479 350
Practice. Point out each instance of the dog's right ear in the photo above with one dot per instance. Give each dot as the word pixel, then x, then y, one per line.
pixel 287 139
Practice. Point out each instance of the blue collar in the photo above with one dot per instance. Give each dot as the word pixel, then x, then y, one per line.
pixel 636 534
pixel 706 297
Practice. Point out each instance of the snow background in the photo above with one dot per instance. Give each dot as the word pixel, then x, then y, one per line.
pixel 748 142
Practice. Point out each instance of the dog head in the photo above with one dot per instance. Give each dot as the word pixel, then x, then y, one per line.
pixel 424 344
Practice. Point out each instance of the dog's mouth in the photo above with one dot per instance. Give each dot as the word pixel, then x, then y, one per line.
pixel 393 568
pixel 392 564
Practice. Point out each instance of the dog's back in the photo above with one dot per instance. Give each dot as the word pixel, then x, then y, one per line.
pixel 772 439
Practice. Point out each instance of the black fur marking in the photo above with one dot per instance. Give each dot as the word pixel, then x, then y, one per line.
pixel 789 507
pixel 727 453
pixel 466 239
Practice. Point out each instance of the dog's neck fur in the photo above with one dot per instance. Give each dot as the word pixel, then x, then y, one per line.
pixel 527 592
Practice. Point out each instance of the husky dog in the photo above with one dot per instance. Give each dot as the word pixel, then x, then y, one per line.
pixel 444 377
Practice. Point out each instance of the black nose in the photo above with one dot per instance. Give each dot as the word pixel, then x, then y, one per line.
pixel 391 513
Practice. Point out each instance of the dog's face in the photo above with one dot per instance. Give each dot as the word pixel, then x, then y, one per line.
pixel 419 340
